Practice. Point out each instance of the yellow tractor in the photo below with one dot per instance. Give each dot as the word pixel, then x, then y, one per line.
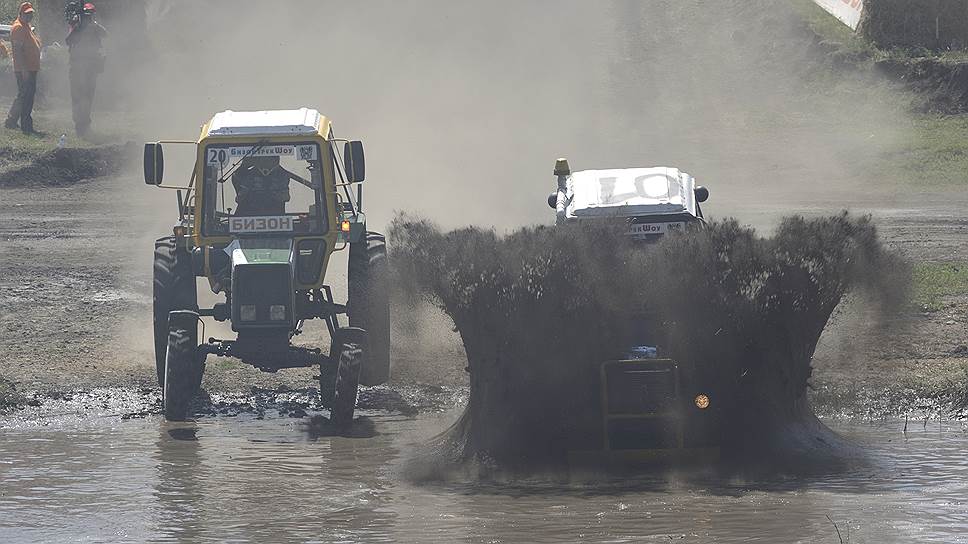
pixel 272 195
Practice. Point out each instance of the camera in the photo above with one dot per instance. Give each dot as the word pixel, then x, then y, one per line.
pixel 73 11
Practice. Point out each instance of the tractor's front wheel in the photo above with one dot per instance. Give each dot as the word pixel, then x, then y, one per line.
pixel 183 369
pixel 173 289
pixel 351 355
pixel 327 378
pixel 369 304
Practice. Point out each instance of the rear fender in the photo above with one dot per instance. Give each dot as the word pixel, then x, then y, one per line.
pixel 349 335
pixel 183 319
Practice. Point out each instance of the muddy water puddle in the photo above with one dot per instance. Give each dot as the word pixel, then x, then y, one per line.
pixel 245 479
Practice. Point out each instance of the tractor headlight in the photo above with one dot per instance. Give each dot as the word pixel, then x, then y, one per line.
pixel 247 312
pixel 277 312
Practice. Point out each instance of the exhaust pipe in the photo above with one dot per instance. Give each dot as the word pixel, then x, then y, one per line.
pixel 562 171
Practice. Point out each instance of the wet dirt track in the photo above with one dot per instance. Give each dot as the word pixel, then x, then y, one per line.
pixel 95 462
pixel 271 480
pixel 91 475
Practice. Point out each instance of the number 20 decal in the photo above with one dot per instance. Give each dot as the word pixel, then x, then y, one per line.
pixel 217 156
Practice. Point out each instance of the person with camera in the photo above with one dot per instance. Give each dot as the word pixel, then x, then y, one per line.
pixel 86 63
pixel 26 64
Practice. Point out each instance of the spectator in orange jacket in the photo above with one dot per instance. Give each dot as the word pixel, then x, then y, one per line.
pixel 26 64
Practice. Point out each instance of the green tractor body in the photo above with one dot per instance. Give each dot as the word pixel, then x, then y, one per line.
pixel 271 198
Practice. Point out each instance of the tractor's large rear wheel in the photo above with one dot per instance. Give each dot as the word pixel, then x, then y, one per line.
pixel 174 289
pixel 369 305
pixel 183 368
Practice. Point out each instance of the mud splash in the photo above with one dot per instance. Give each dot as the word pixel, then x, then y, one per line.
pixel 538 308
pixel 259 403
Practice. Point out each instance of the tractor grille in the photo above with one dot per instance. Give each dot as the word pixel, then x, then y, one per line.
pixel 641 405
pixel 262 286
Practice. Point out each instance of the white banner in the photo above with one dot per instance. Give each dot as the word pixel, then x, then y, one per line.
pixel 221 155
pixel 260 223
pixel 847 11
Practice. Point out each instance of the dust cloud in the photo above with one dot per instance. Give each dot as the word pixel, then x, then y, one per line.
pixel 464 106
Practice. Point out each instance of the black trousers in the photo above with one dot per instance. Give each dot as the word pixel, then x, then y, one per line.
pixel 83 82
pixel 23 106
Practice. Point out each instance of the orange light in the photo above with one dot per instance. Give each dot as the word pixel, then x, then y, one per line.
pixel 702 401
pixel 344 226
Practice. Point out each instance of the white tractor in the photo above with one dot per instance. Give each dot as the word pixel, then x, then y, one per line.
pixel 652 406
pixel 655 200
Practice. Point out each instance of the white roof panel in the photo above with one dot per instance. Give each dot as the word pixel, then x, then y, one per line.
pixel 241 123
pixel 628 192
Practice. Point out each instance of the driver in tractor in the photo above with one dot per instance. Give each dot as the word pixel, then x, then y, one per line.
pixel 261 186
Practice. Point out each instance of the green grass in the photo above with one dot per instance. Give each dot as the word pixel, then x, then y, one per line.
pixel 829 28
pixel 52 125
pixel 17 148
pixel 933 282
pixel 919 150
pixel 954 56
pixel 934 153
pixel 221 365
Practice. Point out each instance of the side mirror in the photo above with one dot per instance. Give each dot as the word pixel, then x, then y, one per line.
pixel 702 193
pixel 553 200
pixel 154 164
pixel 353 161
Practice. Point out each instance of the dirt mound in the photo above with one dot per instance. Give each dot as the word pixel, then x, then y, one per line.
pixel 537 309
pixel 67 166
